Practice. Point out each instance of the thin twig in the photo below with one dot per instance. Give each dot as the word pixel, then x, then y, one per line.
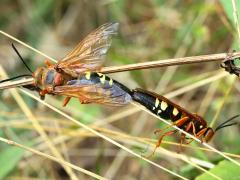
pixel 168 62
pixel 23 106
pixel 123 147
pixel 26 45
pixel 178 61
pixel 51 157
pixel 146 65
pixel 236 20
pixel 137 66
pixel 223 101
pixel 189 135
pixel 16 83
pixel 129 67
pixel 24 124
pixel 101 135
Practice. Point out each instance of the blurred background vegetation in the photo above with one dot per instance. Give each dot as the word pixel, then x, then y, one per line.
pixel 149 30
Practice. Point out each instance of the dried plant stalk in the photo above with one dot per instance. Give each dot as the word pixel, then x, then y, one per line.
pixel 169 62
pixel 16 83
pixel 138 66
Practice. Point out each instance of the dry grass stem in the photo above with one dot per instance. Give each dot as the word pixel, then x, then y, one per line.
pixel 24 124
pixel 167 153
pixel 26 45
pixel 94 141
pixel 129 67
pixel 224 99
pixel 101 135
pixel 236 19
pixel 60 161
pixel 168 62
pixel 16 83
pixel 190 135
pixel 37 126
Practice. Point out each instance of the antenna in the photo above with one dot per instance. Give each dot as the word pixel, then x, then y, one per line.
pixel 224 124
pixel 15 49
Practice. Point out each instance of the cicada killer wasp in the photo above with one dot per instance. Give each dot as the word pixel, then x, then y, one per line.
pixel 180 117
pixel 77 74
pixel 231 64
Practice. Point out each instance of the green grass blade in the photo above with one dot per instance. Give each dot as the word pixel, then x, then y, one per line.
pixel 224 170
pixel 9 158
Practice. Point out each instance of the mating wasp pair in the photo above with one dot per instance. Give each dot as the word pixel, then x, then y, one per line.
pixel 77 75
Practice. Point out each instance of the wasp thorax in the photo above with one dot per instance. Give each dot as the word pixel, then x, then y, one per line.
pixel 47 78
pixel 201 120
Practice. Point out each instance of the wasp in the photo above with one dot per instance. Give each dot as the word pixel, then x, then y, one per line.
pixel 77 74
pixel 231 64
pixel 180 117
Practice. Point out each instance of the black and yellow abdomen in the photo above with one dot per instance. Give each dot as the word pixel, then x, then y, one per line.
pixel 157 105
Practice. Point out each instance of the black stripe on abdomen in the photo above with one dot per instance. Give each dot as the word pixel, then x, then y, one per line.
pixel 157 106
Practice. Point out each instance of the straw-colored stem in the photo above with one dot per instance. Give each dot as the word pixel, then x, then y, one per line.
pixel 37 126
pixel 226 95
pixel 168 62
pixel 137 66
pixel 236 20
pixel 146 65
pixel 51 157
pixel 101 135
pixel 16 83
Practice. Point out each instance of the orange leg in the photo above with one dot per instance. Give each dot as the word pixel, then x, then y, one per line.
pixel 48 63
pixel 181 142
pixel 81 99
pixel 189 126
pixel 84 100
pixel 198 135
pixel 176 123
pixel 183 136
pixel 160 140
pixel 66 101
pixel 43 92
pixel 188 142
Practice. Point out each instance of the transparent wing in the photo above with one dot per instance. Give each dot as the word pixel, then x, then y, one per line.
pixel 89 54
pixel 94 92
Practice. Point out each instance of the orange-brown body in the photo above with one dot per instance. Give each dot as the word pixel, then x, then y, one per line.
pixel 87 56
pixel 89 87
pixel 180 117
pixel 47 78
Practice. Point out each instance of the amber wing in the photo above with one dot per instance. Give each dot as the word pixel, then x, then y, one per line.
pixel 89 54
pixel 94 90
